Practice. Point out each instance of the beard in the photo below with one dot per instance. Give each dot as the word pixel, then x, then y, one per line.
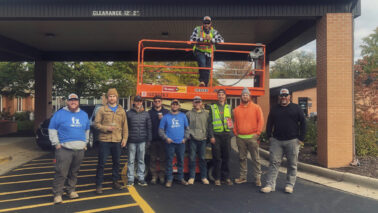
pixel 244 101
pixel 174 110
pixel 73 109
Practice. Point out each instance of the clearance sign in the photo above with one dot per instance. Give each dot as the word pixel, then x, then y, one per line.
pixel 179 89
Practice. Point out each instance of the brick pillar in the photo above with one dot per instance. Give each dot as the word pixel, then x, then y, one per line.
pixel 43 91
pixel 264 101
pixel 334 43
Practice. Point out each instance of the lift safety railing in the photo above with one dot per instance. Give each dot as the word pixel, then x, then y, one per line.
pixel 256 52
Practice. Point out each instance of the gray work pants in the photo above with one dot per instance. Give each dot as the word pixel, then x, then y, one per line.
pixel 66 168
pixel 289 148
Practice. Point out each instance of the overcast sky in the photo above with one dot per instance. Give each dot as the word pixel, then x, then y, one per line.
pixel 364 26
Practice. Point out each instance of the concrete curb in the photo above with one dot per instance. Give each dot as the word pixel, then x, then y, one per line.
pixel 5 159
pixel 332 174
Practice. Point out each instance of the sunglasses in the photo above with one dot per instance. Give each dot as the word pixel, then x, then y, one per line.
pixel 206 22
pixel 284 95
pixel 174 103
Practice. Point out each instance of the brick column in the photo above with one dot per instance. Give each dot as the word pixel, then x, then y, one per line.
pixel 264 101
pixel 334 43
pixel 43 91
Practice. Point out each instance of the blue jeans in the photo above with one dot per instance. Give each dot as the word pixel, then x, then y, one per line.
pixel 171 149
pixel 139 149
pixel 106 148
pixel 203 61
pixel 200 147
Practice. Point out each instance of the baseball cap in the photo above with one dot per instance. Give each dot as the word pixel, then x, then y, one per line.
pixel 157 97
pixel 207 20
pixel 197 99
pixel 137 98
pixel 284 91
pixel 175 101
pixel 73 96
pixel 221 90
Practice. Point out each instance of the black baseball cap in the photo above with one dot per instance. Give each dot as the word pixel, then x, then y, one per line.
pixel 157 97
pixel 137 98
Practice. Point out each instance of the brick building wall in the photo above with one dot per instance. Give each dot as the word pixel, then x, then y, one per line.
pixel 307 93
pixel 334 89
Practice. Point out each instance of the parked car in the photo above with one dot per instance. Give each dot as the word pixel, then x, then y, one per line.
pixel 42 133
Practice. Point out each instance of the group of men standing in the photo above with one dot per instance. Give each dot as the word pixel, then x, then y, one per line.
pixel 167 132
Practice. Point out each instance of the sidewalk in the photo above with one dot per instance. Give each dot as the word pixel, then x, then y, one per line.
pixel 355 184
pixel 15 151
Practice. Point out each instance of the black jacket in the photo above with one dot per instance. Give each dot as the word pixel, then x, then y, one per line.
pixel 156 122
pixel 286 122
pixel 139 126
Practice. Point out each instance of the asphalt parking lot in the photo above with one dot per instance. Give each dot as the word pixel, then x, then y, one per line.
pixel 28 189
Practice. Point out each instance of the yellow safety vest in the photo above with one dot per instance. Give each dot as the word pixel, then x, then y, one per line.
pixel 204 47
pixel 218 125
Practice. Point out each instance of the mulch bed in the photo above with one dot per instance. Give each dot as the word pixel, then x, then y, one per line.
pixel 368 165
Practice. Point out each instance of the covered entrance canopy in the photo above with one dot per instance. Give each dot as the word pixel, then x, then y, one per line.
pixel 97 30
pixel 58 30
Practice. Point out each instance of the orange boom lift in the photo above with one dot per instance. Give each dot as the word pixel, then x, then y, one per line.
pixel 255 74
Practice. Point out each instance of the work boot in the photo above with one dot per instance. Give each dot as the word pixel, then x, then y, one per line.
pixel 168 184
pixel 162 179
pixel 191 181
pixel 289 189
pixel 58 199
pixel 217 182
pixel 183 182
pixel 267 189
pixel 258 181
pixel 240 180
pixel 205 181
pixel 228 182
pixel 99 190
pixel 153 180
pixel 142 183
pixel 116 185
pixel 73 195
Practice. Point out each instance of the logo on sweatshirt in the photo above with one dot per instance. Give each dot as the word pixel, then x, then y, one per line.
pixel 75 122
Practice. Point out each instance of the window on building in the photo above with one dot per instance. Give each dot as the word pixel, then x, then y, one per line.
pixel 19 104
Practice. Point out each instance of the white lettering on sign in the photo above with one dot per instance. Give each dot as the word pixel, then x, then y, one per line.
pixel 116 13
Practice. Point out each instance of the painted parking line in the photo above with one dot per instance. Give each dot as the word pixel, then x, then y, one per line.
pixel 50 163
pixel 89 157
pixel 44 179
pixel 109 208
pixel 65 201
pixel 47 188
pixel 48 195
pixel 44 173
pixel 142 203
pixel 46 167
